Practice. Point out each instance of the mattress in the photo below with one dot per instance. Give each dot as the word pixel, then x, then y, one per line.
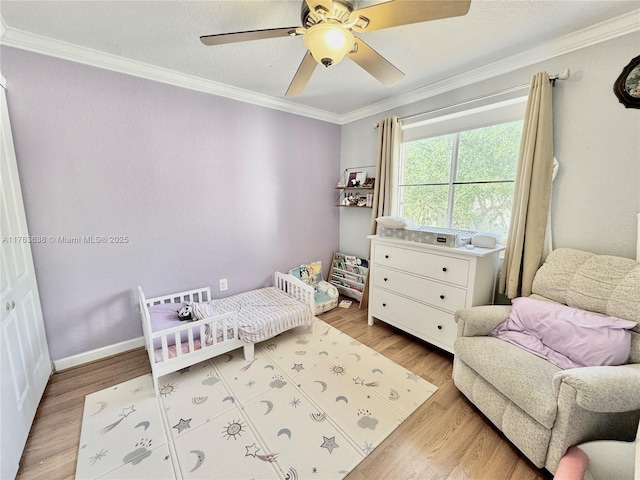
pixel 448 237
pixel 262 313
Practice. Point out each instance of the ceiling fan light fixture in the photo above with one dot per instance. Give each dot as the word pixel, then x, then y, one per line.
pixel 328 42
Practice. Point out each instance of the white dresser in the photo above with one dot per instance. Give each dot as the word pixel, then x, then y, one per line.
pixel 418 287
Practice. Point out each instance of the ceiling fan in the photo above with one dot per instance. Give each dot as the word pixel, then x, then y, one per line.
pixel 328 27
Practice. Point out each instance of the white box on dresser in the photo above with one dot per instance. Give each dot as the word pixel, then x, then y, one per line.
pixel 418 287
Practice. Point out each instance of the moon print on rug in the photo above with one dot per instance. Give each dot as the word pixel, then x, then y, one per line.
pixel 343 398
pixel 143 424
pixel 324 384
pixel 199 461
pixel 269 406
pixel 285 431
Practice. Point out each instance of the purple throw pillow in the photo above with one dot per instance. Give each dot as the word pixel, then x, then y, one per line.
pixel 565 336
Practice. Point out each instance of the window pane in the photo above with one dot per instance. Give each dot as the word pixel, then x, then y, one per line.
pixel 489 153
pixel 425 205
pixel 483 207
pixel 427 161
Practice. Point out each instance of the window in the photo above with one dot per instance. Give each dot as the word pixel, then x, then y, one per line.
pixel 462 179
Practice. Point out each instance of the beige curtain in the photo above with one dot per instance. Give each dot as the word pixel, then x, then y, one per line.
pixel 389 139
pixel 548 237
pixel 524 251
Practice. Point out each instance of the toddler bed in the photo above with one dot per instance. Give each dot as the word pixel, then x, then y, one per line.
pixel 221 325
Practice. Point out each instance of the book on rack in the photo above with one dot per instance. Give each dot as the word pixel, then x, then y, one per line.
pixel 349 274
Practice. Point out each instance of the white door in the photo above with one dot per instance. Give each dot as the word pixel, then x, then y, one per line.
pixel 26 365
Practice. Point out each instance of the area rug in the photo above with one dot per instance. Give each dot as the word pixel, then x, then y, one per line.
pixel 310 405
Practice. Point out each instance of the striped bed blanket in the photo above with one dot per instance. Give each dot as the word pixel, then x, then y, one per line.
pixel 262 314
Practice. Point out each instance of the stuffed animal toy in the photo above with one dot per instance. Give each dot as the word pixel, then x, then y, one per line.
pixel 185 313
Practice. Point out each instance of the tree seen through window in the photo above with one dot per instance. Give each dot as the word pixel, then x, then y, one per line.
pixel 462 180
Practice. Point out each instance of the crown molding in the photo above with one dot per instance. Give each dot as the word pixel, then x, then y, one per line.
pixel 86 56
pixel 601 32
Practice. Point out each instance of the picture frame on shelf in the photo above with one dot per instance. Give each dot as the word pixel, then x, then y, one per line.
pixel 356 178
pixel 369 182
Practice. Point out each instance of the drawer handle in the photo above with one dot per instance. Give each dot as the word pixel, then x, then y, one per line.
pixel 386 256
pixel 439 327
pixel 444 269
pixel 441 297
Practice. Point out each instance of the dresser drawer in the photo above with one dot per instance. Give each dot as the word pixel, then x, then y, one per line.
pixel 446 297
pixel 425 322
pixel 439 267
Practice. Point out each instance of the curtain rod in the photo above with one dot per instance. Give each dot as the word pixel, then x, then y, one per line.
pixel 563 75
pixel 362 166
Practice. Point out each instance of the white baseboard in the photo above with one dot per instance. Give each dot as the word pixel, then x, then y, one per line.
pixel 97 354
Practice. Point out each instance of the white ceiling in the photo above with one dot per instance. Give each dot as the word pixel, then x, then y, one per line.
pixel 141 35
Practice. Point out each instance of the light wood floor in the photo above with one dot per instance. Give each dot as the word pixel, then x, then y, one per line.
pixel 446 438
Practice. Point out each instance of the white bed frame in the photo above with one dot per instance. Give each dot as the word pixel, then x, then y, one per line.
pixel 230 340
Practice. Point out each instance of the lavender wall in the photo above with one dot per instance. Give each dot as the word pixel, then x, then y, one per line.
pixel 203 188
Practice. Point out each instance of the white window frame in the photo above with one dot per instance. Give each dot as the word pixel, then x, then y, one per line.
pixel 436 124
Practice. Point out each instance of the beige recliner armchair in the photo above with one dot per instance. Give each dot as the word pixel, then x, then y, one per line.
pixel 539 407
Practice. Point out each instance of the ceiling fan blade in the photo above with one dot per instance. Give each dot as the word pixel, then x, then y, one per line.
pixel 404 12
pixel 375 64
pixel 223 38
pixel 302 76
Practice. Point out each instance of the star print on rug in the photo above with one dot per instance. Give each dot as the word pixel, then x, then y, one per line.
pixel 182 425
pixel 329 443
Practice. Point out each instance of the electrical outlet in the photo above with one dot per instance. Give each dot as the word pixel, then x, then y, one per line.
pixel 223 284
